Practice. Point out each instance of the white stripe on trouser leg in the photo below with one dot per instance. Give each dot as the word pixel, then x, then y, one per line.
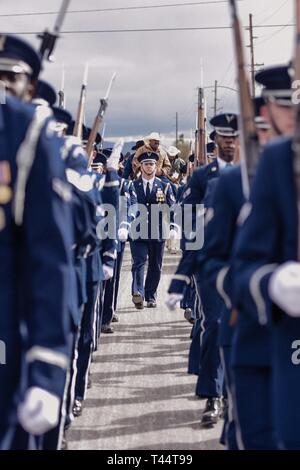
pixel 63 412
pixel 92 345
pixel 202 316
pixel 74 377
pixel 229 393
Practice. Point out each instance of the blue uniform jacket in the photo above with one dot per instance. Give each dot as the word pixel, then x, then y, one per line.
pixel 197 191
pixel 153 228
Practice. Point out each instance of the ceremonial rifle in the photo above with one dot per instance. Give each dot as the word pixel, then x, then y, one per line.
pixel 296 141
pixel 201 153
pixel 249 138
pixel 61 93
pixel 49 38
pixel 81 105
pixel 98 121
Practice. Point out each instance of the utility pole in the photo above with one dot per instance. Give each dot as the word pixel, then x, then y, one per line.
pixel 252 54
pixel 176 129
pixel 216 98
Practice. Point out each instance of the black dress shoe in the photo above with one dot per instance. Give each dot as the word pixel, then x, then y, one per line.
pixel 138 301
pixel 107 329
pixel 77 408
pixel 212 412
pixel 115 318
pixel 151 304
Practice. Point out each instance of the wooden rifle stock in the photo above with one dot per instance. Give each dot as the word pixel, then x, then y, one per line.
pixel 95 129
pixel 77 132
pixel 296 141
pixel 98 121
pixel 249 138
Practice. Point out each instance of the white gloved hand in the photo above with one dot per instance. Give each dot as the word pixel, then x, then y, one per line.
pixel 173 234
pixel 173 300
pixel 39 411
pixel 113 160
pixel 123 234
pixel 284 288
pixel 108 272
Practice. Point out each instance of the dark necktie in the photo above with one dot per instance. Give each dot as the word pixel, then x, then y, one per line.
pixel 148 192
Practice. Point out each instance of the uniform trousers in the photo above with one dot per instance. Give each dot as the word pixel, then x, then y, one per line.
pixel 86 340
pixel 142 251
pixel 253 408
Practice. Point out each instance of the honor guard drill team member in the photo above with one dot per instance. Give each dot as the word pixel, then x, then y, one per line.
pixel 210 376
pixel 227 201
pixel 148 243
pixel 84 226
pixel 152 144
pixel 35 258
pixel 266 273
pixel 99 269
pixel 127 201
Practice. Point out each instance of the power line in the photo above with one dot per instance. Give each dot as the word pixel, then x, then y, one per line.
pixel 144 7
pixel 274 12
pixel 147 30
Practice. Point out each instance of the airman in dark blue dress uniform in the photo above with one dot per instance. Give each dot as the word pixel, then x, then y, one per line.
pixel 210 375
pixel 148 242
pixel 35 257
pixel 265 271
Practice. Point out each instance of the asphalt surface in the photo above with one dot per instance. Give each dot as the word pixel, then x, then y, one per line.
pixel 142 397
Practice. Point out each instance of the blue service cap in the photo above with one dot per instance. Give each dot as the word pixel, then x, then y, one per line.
pixel 148 157
pixel 17 56
pixel 46 92
pixel 277 83
pixel 138 145
pixel 86 133
pixel 62 115
pixel 70 129
pixel 225 124
pixel 100 159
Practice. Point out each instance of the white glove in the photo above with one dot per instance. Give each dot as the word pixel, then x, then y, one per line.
pixel 284 288
pixel 173 300
pixel 123 234
pixel 173 234
pixel 113 160
pixel 39 412
pixel 108 272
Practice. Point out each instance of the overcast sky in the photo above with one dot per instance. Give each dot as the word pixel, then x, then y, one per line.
pixel 157 72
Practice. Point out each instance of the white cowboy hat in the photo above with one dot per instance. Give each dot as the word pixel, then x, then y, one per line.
pixel 173 151
pixel 153 136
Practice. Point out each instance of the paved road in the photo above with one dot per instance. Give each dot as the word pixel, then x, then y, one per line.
pixel 142 398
